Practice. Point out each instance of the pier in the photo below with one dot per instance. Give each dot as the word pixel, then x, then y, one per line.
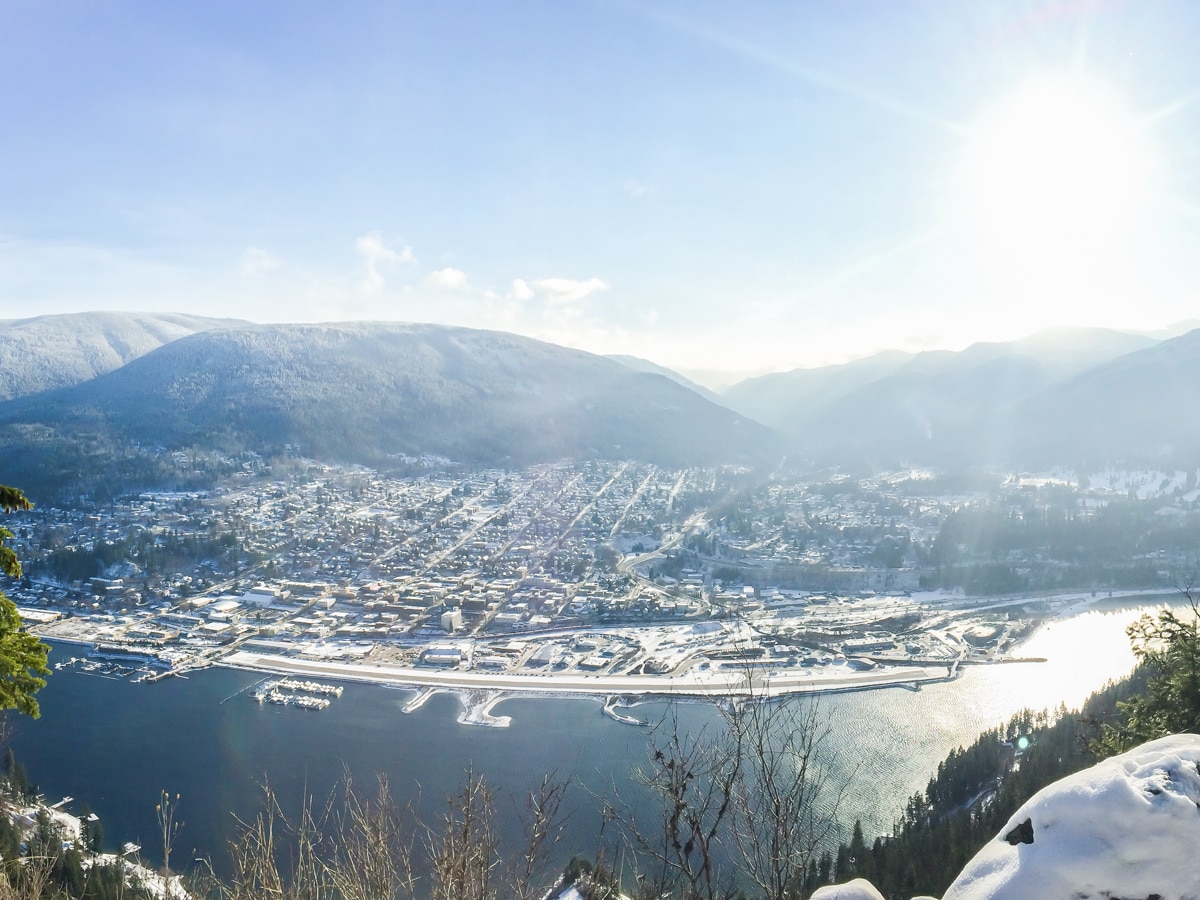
pixel 294 692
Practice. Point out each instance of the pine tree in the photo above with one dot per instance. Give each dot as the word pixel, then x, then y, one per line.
pixel 1168 649
pixel 22 656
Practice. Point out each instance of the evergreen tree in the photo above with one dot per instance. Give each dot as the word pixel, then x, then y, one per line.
pixel 1168 649
pixel 22 656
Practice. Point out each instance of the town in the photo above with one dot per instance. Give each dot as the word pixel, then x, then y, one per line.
pixel 605 578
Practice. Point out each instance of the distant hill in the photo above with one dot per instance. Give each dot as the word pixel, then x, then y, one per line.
pixel 942 407
pixel 365 392
pixel 787 400
pixel 644 365
pixel 375 392
pixel 1138 406
pixel 1059 352
pixel 1175 329
pixel 48 352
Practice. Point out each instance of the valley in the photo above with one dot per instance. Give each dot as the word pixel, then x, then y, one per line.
pixel 611 579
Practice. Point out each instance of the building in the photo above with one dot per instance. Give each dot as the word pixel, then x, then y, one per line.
pixel 260 596
pixel 442 656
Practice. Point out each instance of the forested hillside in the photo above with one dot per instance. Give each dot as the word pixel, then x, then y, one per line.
pixel 371 393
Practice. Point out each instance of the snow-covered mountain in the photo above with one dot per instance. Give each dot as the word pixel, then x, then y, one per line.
pixel 364 392
pixel 47 352
pixel 644 365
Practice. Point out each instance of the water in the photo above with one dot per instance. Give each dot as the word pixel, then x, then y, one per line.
pixel 893 739
pixel 115 745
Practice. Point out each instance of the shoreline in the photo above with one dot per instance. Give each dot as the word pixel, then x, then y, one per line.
pixel 771 685
pixel 479 692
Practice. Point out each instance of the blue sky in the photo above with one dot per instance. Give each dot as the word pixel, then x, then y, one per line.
pixel 719 187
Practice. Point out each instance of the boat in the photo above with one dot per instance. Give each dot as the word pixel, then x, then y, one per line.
pixel 291 692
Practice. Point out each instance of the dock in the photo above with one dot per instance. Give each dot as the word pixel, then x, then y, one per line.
pixel 238 693
pixel 294 692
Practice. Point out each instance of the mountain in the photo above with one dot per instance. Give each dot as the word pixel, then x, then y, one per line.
pixel 783 400
pixel 1060 352
pixel 1137 407
pixel 366 392
pixel 85 386
pixel 961 414
pixel 1175 329
pixel 937 407
pixel 48 352
pixel 1066 352
pixel 644 365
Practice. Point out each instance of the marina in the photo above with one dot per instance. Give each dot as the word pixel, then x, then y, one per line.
pixel 103 667
pixel 294 692
pixel 884 744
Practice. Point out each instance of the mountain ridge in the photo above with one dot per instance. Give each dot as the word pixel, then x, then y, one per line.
pixel 639 364
pixel 47 352
pixel 366 392
pixel 989 404
pixel 374 391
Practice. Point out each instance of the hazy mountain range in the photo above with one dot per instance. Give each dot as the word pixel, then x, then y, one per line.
pixel 1040 400
pixel 370 392
pixel 645 365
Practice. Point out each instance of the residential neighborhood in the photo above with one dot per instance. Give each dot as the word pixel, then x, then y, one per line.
pixel 600 577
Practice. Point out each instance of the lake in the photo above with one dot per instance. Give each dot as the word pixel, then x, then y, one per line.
pixel 114 744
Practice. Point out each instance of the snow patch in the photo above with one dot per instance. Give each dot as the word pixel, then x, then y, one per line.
pixel 858 889
pixel 1127 827
pixel 1145 484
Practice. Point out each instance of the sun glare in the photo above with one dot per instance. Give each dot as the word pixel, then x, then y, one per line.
pixel 1055 180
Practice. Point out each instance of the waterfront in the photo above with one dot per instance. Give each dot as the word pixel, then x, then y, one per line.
pixel 115 744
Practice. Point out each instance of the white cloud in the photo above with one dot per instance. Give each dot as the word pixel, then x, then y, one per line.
pixel 634 188
pixel 521 290
pixel 447 279
pixel 375 254
pixel 256 260
pixel 569 290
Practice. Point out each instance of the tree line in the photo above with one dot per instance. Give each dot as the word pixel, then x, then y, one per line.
pixel 977 789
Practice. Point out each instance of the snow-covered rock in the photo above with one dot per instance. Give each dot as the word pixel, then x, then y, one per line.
pixel 858 889
pixel 1128 827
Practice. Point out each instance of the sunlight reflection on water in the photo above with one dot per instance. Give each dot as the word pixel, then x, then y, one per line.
pixel 888 743
pixel 884 745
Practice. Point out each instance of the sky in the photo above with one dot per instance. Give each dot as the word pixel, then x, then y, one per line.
pixel 726 189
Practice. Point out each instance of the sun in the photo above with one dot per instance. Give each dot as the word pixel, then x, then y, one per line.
pixel 1054 181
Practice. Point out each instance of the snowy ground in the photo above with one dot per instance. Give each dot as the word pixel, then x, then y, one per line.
pixel 695 682
pixel 1127 827
pixel 674 645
